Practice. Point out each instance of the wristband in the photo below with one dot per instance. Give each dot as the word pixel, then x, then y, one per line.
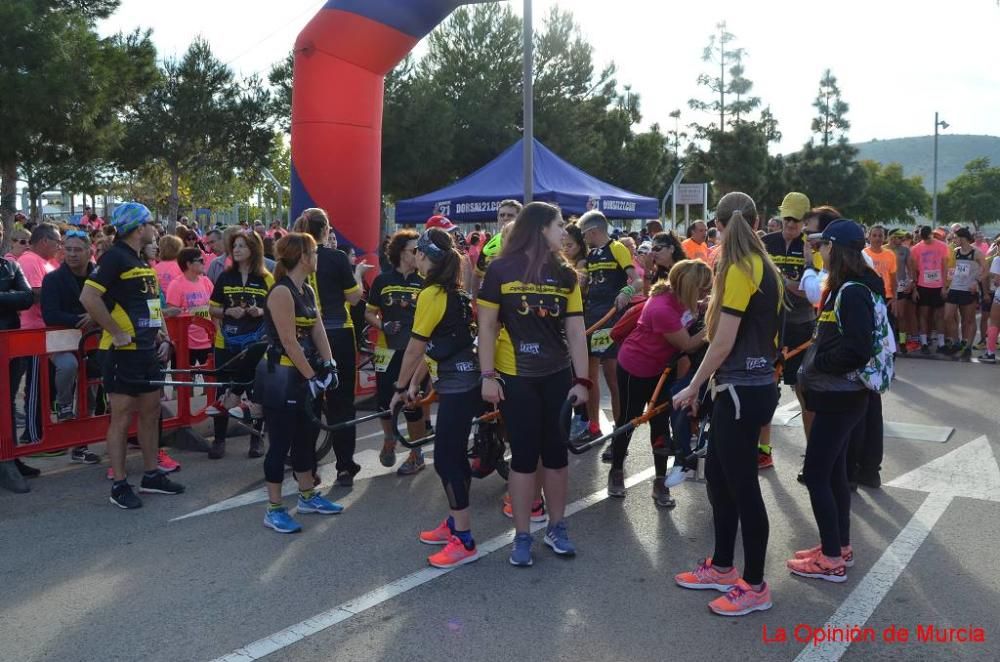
pixel 628 290
pixel 400 389
pixel 489 374
pixel 584 382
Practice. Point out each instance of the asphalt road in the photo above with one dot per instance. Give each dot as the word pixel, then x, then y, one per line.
pixel 83 580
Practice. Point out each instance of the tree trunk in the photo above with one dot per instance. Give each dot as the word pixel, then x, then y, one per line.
pixel 173 202
pixel 8 201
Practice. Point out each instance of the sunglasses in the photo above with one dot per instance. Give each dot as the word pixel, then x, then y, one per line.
pixel 23 242
pixel 659 247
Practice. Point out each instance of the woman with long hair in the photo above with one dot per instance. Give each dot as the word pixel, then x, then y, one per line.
pixel 237 303
pixel 842 346
pixel 443 343
pixel 531 343
pixel 666 251
pixel 661 334
pixel 298 362
pixel 742 323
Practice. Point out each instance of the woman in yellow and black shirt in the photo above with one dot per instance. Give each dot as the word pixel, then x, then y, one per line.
pixel 442 342
pixel 742 323
pixel 531 342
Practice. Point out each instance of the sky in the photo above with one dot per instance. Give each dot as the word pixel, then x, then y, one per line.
pixel 896 61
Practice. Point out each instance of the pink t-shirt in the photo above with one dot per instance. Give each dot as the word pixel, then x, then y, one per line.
pixel 166 272
pixel 34 267
pixel 192 297
pixel 932 262
pixel 646 352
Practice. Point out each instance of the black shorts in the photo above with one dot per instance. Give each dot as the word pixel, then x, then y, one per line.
pixel 930 297
pixel 128 372
pixel 904 296
pixel 198 356
pixel 960 298
pixel 795 335
pixel 384 389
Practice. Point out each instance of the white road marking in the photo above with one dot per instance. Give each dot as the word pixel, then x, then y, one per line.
pixel 787 416
pixel 346 610
pixel 968 471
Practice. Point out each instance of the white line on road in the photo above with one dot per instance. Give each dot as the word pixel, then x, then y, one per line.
pixel 346 610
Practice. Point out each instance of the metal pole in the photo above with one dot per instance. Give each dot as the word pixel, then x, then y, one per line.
pixel 934 199
pixel 529 106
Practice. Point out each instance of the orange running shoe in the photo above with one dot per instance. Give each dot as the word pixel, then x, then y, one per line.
pixel 453 555
pixel 817 567
pixel 846 553
pixel 538 513
pixel 166 463
pixel 437 536
pixel 742 600
pixel 705 576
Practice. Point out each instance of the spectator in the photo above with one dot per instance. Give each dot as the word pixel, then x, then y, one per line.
pixel 190 294
pixel 269 247
pixel 167 269
pixel 260 229
pixel 213 243
pixel 224 259
pixel 695 246
pixel 18 243
pixel 61 307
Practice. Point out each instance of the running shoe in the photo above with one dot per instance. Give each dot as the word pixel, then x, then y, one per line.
pixel 558 540
pixel 870 479
pixel 387 458
pixel 440 535
pixel 987 358
pixel 742 600
pixel 705 576
pixel 946 350
pixel 678 474
pixel 65 414
pixel 110 475
pixel 159 484
pixel 764 460
pixel 319 505
pixel 925 349
pixel 412 465
pixel 661 494
pixel 27 471
pixel 966 354
pixel 217 450
pixel 520 554
pixel 979 346
pixel 912 346
pixel 817 567
pixel 538 513
pixel 279 520
pixel 256 447
pixel 123 497
pixel 578 429
pixel 616 483
pixel 83 455
pixel 165 463
pixel 453 555
pixel 846 553
pixel 46 454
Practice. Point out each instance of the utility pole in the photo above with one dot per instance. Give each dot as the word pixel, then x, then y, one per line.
pixel 528 141
pixel 934 207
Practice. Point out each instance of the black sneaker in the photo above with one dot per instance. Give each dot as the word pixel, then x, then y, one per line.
pixel 256 447
pixel 83 455
pixel 870 479
pixel 925 349
pixel 159 484
pixel 26 471
pixel 217 450
pixel 967 354
pixel 123 497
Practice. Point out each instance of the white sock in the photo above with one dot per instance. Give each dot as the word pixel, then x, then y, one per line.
pixel 940 339
pixel 923 338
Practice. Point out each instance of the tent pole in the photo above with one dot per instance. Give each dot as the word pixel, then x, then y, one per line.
pixel 529 106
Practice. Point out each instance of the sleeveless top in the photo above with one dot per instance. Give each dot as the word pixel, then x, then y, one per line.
pixel 306 315
pixel 967 271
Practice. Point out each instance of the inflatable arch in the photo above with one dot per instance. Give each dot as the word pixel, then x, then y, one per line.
pixel 341 59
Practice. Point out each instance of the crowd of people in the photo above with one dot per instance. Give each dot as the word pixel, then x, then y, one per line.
pixel 521 321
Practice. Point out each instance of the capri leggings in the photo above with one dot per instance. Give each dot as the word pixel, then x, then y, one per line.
pixel 289 428
pixel 241 373
pixel 530 410
pixel 634 393
pixel 451 444
pixel 340 401
pixel 731 470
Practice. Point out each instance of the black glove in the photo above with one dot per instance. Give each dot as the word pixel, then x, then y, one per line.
pixel 391 328
pixel 326 374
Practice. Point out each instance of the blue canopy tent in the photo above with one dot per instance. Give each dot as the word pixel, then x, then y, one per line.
pixel 476 197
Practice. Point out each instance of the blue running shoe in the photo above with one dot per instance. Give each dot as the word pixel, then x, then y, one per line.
pixel 520 555
pixel 319 505
pixel 281 521
pixel 557 538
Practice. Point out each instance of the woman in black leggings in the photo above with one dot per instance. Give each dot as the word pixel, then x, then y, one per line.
pixel 442 343
pixel 742 323
pixel 842 346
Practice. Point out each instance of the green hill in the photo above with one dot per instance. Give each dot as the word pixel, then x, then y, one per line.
pixel 916 155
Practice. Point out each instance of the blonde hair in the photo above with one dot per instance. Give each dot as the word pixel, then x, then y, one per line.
pixel 736 213
pixel 170 247
pixel 687 280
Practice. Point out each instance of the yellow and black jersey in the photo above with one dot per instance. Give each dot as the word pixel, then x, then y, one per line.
pixel 607 275
pixel 444 321
pixel 532 340
pixel 753 294
pixel 231 291
pixel 394 297
pixel 132 294
pixel 332 282
pixel 790 260
pixel 306 314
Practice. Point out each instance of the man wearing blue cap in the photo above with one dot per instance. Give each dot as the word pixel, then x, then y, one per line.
pixel 122 295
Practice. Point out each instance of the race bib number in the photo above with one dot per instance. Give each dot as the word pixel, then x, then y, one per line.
pixel 432 368
pixel 383 356
pixel 963 268
pixel 601 341
pixel 155 313
pixel 201 311
pixel 932 276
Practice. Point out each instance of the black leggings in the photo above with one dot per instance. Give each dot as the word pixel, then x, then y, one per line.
pixel 634 393
pixel 245 373
pixel 731 470
pixel 864 453
pixel 825 472
pixel 289 428
pixel 340 402
pixel 530 411
pixel 451 444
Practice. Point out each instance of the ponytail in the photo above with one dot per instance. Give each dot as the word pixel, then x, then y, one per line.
pixel 289 252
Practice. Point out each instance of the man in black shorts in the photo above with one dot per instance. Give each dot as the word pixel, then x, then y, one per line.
pixel 123 297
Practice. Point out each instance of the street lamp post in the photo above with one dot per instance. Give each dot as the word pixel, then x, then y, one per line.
pixel 528 139
pixel 944 125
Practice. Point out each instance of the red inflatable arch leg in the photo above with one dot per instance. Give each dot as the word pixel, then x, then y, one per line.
pixel 341 59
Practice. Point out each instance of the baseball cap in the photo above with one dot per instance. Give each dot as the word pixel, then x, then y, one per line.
pixel 440 222
pixel 128 216
pixel 644 247
pixel 593 220
pixel 795 205
pixel 843 232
